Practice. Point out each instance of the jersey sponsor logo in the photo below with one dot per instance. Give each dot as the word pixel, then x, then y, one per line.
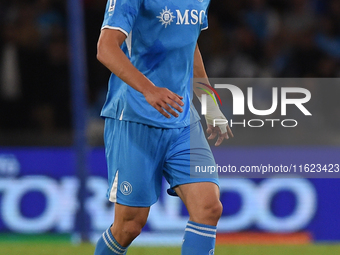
pixel 112 5
pixel 126 188
pixel 166 17
pixel 188 17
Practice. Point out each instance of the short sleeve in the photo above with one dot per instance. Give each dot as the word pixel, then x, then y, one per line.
pixel 121 14
pixel 205 22
pixel 204 25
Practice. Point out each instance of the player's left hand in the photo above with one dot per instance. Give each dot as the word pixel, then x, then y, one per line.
pixel 216 131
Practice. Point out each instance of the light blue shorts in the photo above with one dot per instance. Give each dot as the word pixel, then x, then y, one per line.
pixel 139 155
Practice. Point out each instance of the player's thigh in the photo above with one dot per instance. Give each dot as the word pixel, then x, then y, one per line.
pixel 134 156
pixel 190 151
pixel 198 190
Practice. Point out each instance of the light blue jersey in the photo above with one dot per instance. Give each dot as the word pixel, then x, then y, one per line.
pixel 161 40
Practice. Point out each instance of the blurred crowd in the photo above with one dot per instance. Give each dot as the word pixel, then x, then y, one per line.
pixel 279 38
pixel 246 38
pixel 273 38
pixel 34 65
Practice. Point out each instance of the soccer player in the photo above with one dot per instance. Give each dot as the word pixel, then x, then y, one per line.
pixel 150 46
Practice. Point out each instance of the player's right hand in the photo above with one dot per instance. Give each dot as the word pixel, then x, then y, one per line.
pixel 164 101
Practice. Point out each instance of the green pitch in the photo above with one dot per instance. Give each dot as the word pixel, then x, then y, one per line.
pixel 88 249
pixel 60 245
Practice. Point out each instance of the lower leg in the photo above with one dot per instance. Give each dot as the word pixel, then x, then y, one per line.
pixel 205 209
pixel 199 239
pixel 128 224
pixel 108 245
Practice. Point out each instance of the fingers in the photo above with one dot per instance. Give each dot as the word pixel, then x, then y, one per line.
pixel 180 97
pixel 229 132
pixel 216 131
pixel 164 113
pixel 170 102
pixel 165 105
pixel 211 131
pixel 219 140
pixel 165 101
pixel 169 110
pixel 213 134
pixel 175 102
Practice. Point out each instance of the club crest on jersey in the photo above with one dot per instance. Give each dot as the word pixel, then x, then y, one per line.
pixel 188 17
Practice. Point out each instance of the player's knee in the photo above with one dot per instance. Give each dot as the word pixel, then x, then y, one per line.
pixel 132 229
pixel 209 214
pixel 215 211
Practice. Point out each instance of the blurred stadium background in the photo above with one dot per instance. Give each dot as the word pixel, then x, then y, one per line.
pixel 40 209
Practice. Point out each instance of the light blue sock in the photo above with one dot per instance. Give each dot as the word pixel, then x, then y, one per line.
pixel 199 239
pixel 107 245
